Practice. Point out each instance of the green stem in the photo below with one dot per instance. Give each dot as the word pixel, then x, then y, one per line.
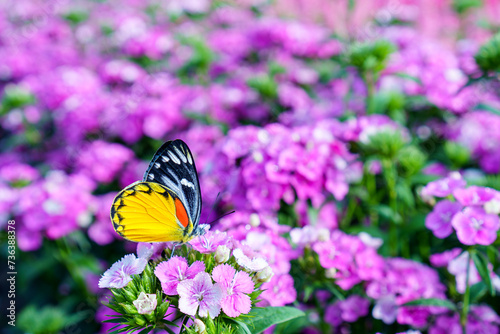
pixel 369 80
pixel 390 176
pixel 465 308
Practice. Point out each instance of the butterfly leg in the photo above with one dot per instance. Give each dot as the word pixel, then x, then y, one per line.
pixel 173 248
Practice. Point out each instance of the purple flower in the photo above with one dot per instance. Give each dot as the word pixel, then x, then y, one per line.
pixel 353 308
pixel 475 195
pixel 172 272
pixel 148 250
pixel 119 275
pixel 475 226
pixel 439 220
pixel 200 295
pixel 386 310
pixel 235 287
pixel 444 187
pixel 333 315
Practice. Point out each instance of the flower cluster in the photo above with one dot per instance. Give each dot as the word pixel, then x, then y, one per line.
pixel 472 212
pixel 214 278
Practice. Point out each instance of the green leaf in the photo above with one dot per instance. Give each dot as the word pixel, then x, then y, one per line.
pixel 432 302
pixel 481 263
pixel 478 291
pixel 259 319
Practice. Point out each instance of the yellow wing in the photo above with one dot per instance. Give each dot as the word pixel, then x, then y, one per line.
pixel 150 212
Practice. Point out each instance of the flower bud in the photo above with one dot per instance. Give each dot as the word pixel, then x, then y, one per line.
pixel 129 308
pixel 323 234
pixel 492 207
pixel 146 303
pixel 331 273
pixel 222 254
pixel 199 326
pixel 265 274
pixel 254 220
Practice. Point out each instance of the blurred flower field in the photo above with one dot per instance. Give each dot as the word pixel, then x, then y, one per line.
pixel 357 141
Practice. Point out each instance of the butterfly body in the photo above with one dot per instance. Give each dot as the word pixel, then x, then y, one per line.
pixel 166 204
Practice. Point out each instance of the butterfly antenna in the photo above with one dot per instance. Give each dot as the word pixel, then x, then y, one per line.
pixel 213 206
pixel 224 215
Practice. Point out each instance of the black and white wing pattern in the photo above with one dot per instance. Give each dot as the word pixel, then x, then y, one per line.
pixel 173 166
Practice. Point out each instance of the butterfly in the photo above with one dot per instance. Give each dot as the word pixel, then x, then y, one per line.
pixel 166 204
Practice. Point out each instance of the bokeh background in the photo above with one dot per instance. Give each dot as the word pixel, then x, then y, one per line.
pixel 280 102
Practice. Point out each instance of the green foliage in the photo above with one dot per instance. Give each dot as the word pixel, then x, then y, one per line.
pixel 46 320
pixel 481 262
pixel 463 6
pixel 384 143
pixel 411 160
pixel 15 96
pixel 488 56
pixel 459 155
pixel 432 302
pixel 371 56
pixel 259 319
pixel 265 85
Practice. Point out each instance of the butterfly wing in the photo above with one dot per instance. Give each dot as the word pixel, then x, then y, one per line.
pixel 150 212
pixel 173 167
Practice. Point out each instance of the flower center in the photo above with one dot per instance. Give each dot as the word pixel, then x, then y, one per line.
pixel 181 276
pixel 198 296
pixel 477 223
pixel 446 217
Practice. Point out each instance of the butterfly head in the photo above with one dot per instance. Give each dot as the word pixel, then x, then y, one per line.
pixel 201 229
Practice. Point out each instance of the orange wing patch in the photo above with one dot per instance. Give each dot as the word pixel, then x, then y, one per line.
pixel 181 213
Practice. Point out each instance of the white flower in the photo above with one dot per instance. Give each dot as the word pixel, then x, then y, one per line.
pixel 265 274
pixel 146 303
pixel 222 254
pixel 255 264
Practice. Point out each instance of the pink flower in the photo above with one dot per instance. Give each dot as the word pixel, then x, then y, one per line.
pixel 172 272
pixel 235 286
pixel 279 291
pixel 119 275
pixel 475 226
pixel 439 220
pixel 209 242
pixel 475 195
pixel 200 295
pixel 444 187
pixel 444 258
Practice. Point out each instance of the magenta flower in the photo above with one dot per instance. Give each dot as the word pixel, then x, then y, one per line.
pixel 475 226
pixel 200 295
pixel 172 272
pixel 439 220
pixel 442 259
pixel 475 195
pixel 235 286
pixel 444 187
pixel 119 275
